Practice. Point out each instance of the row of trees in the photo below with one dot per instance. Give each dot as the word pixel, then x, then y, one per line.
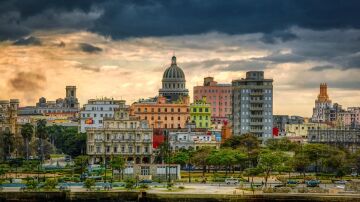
pixel 42 140
pixel 245 154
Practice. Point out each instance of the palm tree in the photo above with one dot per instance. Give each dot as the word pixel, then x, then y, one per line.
pixel 27 132
pixel 41 133
pixel 117 163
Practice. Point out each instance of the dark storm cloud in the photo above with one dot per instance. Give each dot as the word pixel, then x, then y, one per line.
pixel 28 41
pixel 120 19
pixel 27 81
pixel 227 65
pixel 322 68
pixel 89 48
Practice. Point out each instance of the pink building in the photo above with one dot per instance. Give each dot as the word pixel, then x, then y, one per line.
pixel 350 117
pixel 218 96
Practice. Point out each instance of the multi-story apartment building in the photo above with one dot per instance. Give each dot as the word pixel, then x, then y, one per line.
pixel 323 105
pixel 349 118
pixel 252 105
pixel 122 135
pixel 200 113
pixel 163 114
pixel 218 96
pixel 94 112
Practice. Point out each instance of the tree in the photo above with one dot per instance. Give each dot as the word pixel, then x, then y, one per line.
pixel 42 134
pixel 270 161
pixel 300 162
pixel 181 157
pixel 81 162
pixel 355 161
pixel 118 163
pixel 47 148
pixel 8 143
pixel 89 183
pixel 27 132
pixel 200 158
pixel 283 144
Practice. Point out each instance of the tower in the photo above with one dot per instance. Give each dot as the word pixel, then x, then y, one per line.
pixel 70 100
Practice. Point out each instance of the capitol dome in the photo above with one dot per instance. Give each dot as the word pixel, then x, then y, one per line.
pixel 174 72
pixel 173 82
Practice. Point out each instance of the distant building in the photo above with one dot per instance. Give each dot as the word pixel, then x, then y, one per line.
pixel 161 113
pixel 301 130
pixel 218 96
pixel 94 112
pixel 8 115
pixel 153 171
pixel 200 113
pixel 69 104
pixel 193 139
pixel 349 118
pixel 323 105
pixel 345 138
pixel 252 105
pixel 122 135
pixel 280 121
pixel 173 83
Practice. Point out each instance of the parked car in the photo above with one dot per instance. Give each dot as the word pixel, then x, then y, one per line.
pixel 67 158
pixel 232 181
pixel 312 183
pixel 340 182
pixel 292 182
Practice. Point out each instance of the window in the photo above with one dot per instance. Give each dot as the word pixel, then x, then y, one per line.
pixel 172 109
pixel 179 118
pixel 122 149
pixel 194 110
pixel 146 149
pixel 137 149
pixel 200 110
pixel 108 149
pixel 159 118
pixel 98 150
pixel 130 149
pixel 159 110
pixel 145 170
pixel 115 150
pixel 179 110
pixel 172 118
pixel 165 118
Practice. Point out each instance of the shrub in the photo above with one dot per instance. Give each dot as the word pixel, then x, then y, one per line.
pixel 144 186
pixel 50 184
pixel 129 183
pixel 181 187
pixel 31 184
pixel 89 183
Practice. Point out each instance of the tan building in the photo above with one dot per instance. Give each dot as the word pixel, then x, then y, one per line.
pixel 162 114
pixel 8 115
pixel 123 135
pixel 301 130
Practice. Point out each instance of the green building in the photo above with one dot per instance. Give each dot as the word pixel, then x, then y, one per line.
pixel 200 113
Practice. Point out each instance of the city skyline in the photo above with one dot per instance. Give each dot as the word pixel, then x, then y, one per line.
pixel 86 48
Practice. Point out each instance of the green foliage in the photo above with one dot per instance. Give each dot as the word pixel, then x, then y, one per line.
pixel 248 141
pixel 271 161
pixel 81 163
pixel 50 184
pixel 31 184
pixel 129 183
pixel 282 144
pixel 181 158
pixel 144 186
pixel 89 183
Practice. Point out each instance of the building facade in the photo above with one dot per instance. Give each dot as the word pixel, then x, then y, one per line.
pixel 193 139
pixel 200 113
pixel 301 130
pixel 93 113
pixel 218 96
pixel 345 138
pixel 160 113
pixel 349 118
pixel 122 135
pixel 69 104
pixel 252 105
pixel 8 115
pixel 280 122
pixel 173 83
pixel 323 105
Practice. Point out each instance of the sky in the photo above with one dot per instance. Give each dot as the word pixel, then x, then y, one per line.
pixel 121 48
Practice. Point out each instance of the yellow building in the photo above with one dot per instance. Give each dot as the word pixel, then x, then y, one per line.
pixel 301 130
pixel 200 113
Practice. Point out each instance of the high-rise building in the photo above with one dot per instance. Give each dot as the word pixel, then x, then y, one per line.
pixel 252 105
pixel 218 96
pixel 173 83
pixel 94 112
pixel 323 104
pixel 200 113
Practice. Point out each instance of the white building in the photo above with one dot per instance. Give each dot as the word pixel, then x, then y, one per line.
pixel 93 113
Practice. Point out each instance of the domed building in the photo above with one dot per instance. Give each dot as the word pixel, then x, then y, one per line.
pixel 173 82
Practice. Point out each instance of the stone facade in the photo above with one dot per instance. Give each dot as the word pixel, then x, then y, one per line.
pixel 123 135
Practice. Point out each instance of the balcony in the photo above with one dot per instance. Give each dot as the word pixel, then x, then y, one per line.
pixel 256 123
pixel 256 115
pixel 256 93
pixel 256 108
pixel 257 101
pixel 256 130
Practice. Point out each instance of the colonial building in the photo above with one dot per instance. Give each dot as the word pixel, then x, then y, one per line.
pixel 218 96
pixel 94 112
pixel 163 114
pixel 252 105
pixel 349 118
pixel 8 115
pixel 69 104
pixel 173 83
pixel 123 135
pixel 301 130
pixel 280 122
pixel 323 105
pixel 200 113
